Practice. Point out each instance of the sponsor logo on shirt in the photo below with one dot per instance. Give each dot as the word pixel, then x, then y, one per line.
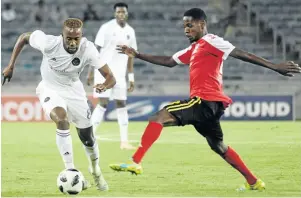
pixel 47 99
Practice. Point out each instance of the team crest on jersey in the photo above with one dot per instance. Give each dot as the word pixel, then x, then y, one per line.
pixel 128 37
pixel 46 99
pixel 75 61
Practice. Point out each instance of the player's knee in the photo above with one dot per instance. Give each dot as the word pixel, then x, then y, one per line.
pixel 104 103
pixel 59 116
pixel 120 103
pixel 86 136
pixel 216 149
pixel 217 146
pixel 89 142
pixel 223 148
pixel 62 123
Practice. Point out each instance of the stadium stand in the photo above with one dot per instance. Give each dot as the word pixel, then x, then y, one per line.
pixel 158 29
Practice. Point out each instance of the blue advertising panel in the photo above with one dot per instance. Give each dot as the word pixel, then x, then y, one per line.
pixel 243 107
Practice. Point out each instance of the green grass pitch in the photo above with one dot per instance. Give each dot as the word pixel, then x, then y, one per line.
pixel 179 164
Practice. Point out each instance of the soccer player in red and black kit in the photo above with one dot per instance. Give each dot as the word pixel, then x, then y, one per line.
pixel 207 100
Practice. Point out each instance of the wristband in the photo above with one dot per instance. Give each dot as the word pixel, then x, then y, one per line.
pixel 131 77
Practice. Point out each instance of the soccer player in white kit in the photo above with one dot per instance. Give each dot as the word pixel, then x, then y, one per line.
pixel 114 32
pixel 61 92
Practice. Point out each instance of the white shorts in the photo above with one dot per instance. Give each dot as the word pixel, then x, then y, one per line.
pixel 118 92
pixel 73 100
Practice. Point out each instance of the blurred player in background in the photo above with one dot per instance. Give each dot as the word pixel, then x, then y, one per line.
pixel 207 100
pixel 61 93
pixel 115 32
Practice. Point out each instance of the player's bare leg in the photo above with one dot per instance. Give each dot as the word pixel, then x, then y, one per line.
pixel 123 121
pixel 92 151
pixel 150 135
pixel 63 137
pixel 230 156
pixel 98 113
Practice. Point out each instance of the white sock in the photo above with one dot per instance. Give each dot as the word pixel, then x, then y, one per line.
pixel 93 156
pixel 64 144
pixel 123 121
pixel 97 116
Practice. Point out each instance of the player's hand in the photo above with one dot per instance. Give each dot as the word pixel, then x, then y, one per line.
pixel 7 74
pixel 100 88
pixel 132 87
pixel 288 68
pixel 90 80
pixel 123 49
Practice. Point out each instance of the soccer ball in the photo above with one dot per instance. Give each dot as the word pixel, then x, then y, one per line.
pixel 70 181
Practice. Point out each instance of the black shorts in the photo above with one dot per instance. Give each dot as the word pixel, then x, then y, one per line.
pixel 203 115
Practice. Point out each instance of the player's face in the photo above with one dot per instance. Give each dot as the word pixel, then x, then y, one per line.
pixel 72 37
pixel 121 14
pixel 193 28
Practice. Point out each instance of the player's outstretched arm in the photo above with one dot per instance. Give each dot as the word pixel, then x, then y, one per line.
pixel 287 68
pixel 110 79
pixel 166 61
pixel 21 42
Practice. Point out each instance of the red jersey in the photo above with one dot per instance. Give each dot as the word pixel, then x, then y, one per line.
pixel 205 59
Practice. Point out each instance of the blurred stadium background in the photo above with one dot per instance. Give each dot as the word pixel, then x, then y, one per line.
pixel 268 28
pixel 249 24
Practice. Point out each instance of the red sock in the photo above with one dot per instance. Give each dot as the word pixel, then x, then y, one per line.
pixel 150 135
pixel 236 162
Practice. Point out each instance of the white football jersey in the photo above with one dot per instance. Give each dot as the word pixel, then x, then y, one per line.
pixel 59 69
pixel 108 37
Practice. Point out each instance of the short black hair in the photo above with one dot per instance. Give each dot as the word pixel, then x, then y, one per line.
pixel 73 23
pixel 196 13
pixel 120 4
